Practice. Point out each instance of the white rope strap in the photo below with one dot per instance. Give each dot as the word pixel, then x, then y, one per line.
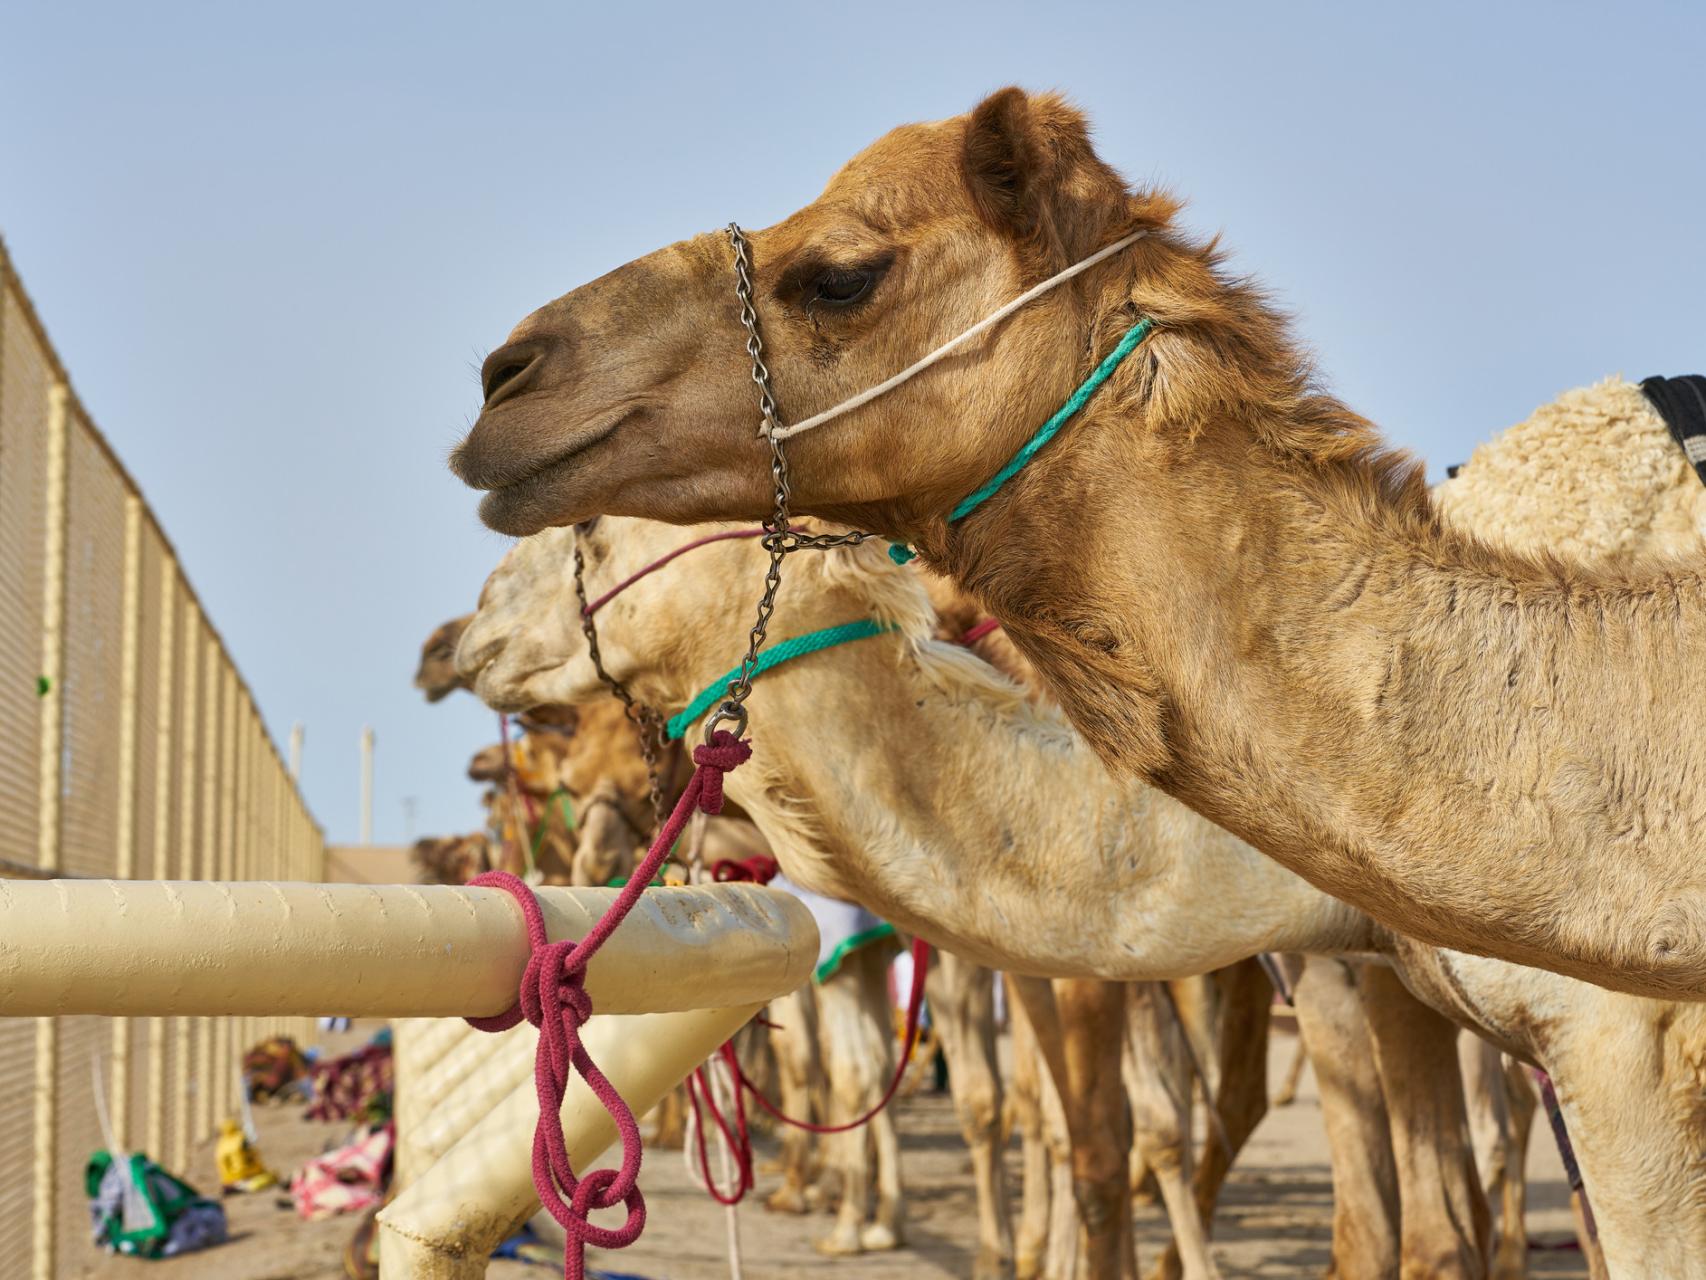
pixel 982 326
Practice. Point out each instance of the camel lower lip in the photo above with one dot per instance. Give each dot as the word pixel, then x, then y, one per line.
pixel 513 508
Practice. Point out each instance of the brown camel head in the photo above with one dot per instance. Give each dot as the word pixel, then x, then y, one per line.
pixel 451 859
pixel 436 675
pixel 631 395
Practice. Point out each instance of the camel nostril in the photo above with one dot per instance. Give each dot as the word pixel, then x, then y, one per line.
pixel 503 375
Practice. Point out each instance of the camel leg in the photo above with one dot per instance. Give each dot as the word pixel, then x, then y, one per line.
pixel 1092 1020
pixel 1161 1090
pixel 1031 1238
pixel 1445 1225
pixel 1241 1093
pixel 857 1042
pixel 885 1230
pixel 1334 1031
pixel 1063 1256
pixel 1492 1126
pixel 1510 1258
pixel 1236 1083
pixel 794 1034
pixel 1037 998
pixel 962 1006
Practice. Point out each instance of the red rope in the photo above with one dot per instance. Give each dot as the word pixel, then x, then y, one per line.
pixel 739 1141
pixel 662 560
pixel 972 634
pixel 761 868
pixel 553 998
pixel 742 1149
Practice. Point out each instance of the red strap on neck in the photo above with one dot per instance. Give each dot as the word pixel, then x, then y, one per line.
pixel 664 559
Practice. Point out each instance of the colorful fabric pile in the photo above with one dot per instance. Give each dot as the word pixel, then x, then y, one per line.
pixel 356 1086
pixel 272 1067
pixel 348 1180
pixel 137 1208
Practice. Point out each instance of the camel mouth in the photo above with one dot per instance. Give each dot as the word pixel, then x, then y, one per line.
pixel 519 504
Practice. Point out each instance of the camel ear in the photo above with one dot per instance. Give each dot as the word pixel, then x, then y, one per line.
pixel 1007 163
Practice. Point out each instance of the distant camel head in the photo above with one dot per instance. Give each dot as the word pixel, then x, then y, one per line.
pixel 451 859
pixel 436 674
pixel 519 650
pixel 631 395
pixel 524 647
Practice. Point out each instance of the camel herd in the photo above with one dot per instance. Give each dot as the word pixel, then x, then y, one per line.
pixel 1256 691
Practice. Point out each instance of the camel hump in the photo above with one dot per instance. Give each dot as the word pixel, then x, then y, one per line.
pixel 1681 402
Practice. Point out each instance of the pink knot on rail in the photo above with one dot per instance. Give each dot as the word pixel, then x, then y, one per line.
pixel 553 997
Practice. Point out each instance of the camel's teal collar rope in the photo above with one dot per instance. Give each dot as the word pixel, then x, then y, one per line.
pixel 774 656
pixel 900 553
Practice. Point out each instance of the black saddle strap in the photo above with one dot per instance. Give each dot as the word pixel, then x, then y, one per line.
pixel 1681 402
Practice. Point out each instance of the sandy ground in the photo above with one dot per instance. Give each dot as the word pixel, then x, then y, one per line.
pixel 1274 1217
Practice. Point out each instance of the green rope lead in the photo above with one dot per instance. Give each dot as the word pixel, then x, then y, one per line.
pixel 775 655
pixel 900 553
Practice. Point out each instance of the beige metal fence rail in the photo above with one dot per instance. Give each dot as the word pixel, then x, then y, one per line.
pixel 129 748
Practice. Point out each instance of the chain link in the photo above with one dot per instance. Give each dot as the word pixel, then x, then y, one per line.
pixel 648 724
pixel 780 538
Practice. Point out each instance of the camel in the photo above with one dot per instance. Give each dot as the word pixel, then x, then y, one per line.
pixel 451 859
pixel 1139 887
pixel 436 676
pixel 1236 592
pixel 536 830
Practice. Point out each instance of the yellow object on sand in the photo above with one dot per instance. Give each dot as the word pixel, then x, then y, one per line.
pixel 240 1167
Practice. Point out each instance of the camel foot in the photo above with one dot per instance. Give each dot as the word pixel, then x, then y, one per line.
pixel 989 1265
pixel 787 1199
pixel 1027 1266
pixel 843 1242
pixel 879 1237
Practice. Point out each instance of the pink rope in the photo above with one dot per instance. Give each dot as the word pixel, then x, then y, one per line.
pixel 971 635
pixel 662 560
pixel 553 998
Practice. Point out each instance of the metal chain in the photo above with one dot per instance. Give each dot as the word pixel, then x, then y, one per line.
pixel 780 538
pixel 648 724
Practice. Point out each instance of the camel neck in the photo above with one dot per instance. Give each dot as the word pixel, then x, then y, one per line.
pixel 918 782
pixel 1400 715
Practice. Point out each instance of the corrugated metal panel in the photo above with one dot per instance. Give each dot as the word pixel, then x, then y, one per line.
pixel 91 694
pixel 25 377
pixel 92 687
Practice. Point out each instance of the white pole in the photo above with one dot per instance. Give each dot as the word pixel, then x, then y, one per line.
pixel 296 752
pixel 367 784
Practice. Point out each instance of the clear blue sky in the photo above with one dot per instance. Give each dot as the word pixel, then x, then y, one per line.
pixel 274 242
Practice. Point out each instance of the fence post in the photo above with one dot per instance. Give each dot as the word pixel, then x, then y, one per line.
pixel 43 1259
pixel 190 647
pixel 124 854
pixel 154 1124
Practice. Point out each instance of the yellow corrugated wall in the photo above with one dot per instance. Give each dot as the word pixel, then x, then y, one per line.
pixel 160 766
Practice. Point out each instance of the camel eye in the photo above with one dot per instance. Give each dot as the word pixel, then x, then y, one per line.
pixel 842 288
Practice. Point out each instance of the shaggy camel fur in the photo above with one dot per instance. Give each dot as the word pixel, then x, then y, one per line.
pixel 1138 887
pixel 1094 1018
pixel 1234 590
